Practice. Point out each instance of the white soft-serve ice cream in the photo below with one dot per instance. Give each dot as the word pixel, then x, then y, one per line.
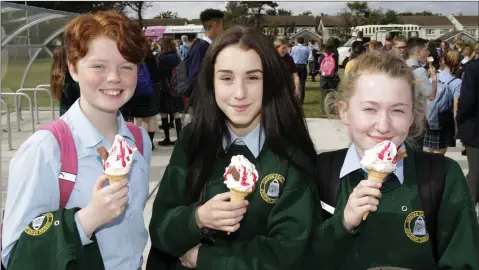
pixel 380 161
pixel 240 175
pixel 120 158
pixel 380 158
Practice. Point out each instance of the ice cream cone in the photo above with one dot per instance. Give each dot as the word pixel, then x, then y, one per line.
pixel 117 178
pixel 237 196
pixel 377 177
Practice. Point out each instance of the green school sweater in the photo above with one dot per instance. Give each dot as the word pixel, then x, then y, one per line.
pixel 274 233
pixel 396 235
pixel 52 241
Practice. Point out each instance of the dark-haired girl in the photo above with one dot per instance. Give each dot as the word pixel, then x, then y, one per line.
pixel 247 108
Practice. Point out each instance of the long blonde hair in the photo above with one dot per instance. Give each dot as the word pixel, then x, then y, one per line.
pixel 389 64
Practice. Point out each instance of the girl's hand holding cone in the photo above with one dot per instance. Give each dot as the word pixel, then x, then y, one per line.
pixel 363 199
pixel 220 213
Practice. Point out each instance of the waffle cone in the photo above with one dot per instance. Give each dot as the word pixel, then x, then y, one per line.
pixel 376 177
pixel 117 178
pixel 237 196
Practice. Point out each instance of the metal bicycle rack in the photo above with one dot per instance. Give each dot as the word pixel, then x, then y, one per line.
pixel 15 96
pixel 35 103
pixel 7 109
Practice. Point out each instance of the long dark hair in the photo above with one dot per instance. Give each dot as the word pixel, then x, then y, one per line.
pixel 281 116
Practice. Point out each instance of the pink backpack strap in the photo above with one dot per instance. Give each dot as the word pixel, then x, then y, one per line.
pixel 136 132
pixel 68 158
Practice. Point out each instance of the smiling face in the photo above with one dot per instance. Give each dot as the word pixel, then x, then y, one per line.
pixel 107 81
pixel 380 108
pixel 238 83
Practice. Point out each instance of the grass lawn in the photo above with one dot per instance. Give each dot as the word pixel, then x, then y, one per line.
pixel 312 101
pixel 40 74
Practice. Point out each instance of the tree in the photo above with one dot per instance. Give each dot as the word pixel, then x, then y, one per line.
pixel 271 12
pixel 235 14
pixel 257 10
pixel 306 13
pixel 76 6
pixel 284 12
pixel 422 13
pixel 391 17
pixel 167 15
pixel 139 7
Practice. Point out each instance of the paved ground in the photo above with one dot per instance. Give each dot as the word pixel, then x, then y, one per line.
pixel 326 134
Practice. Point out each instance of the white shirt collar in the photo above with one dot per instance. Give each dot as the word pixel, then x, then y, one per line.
pixel 207 39
pixel 254 140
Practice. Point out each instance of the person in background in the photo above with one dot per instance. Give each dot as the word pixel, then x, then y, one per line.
pixel 433 53
pixel 63 87
pixel 313 59
pixel 184 47
pixel 467 119
pixel 144 108
pixel 466 54
pixel 444 47
pixel 379 46
pixel 400 47
pixel 359 36
pixel 425 89
pixel 388 45
pixel 212 21
pixel 300 54
pixel 169 104
pixel 441 111
pixel 357 49
pixel 327 82
pixel 372 45
pixel 282 48
pixel 154 47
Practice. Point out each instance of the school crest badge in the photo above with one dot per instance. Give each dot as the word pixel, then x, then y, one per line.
pixel 40 225
pixel 271 187
pixel 415 227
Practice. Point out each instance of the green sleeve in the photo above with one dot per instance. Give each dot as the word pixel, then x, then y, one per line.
pixel 289 227
pixel 331 237
pixel 458 229
pixel 173 226
pixel 51 241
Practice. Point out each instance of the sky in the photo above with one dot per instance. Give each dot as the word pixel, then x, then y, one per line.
pixel 192 9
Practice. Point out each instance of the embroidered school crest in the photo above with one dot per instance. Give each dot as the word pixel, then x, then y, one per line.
pixel 271 187
pixel 415 227
pixel 40 225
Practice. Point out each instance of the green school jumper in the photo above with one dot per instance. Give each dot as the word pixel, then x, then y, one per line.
pixel 396 235
pixel 274 233
pixel 52 241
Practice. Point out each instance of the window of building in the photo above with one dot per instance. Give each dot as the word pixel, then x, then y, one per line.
pixel 429 31
pixel 471 32
pixel 444 31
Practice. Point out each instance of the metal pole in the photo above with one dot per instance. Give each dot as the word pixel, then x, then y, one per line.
pixel 15 95
pixel 35 90
pixel 52 104
pixel 9 130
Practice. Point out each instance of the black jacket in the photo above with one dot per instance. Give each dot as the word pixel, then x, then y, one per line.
pixel 468 108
